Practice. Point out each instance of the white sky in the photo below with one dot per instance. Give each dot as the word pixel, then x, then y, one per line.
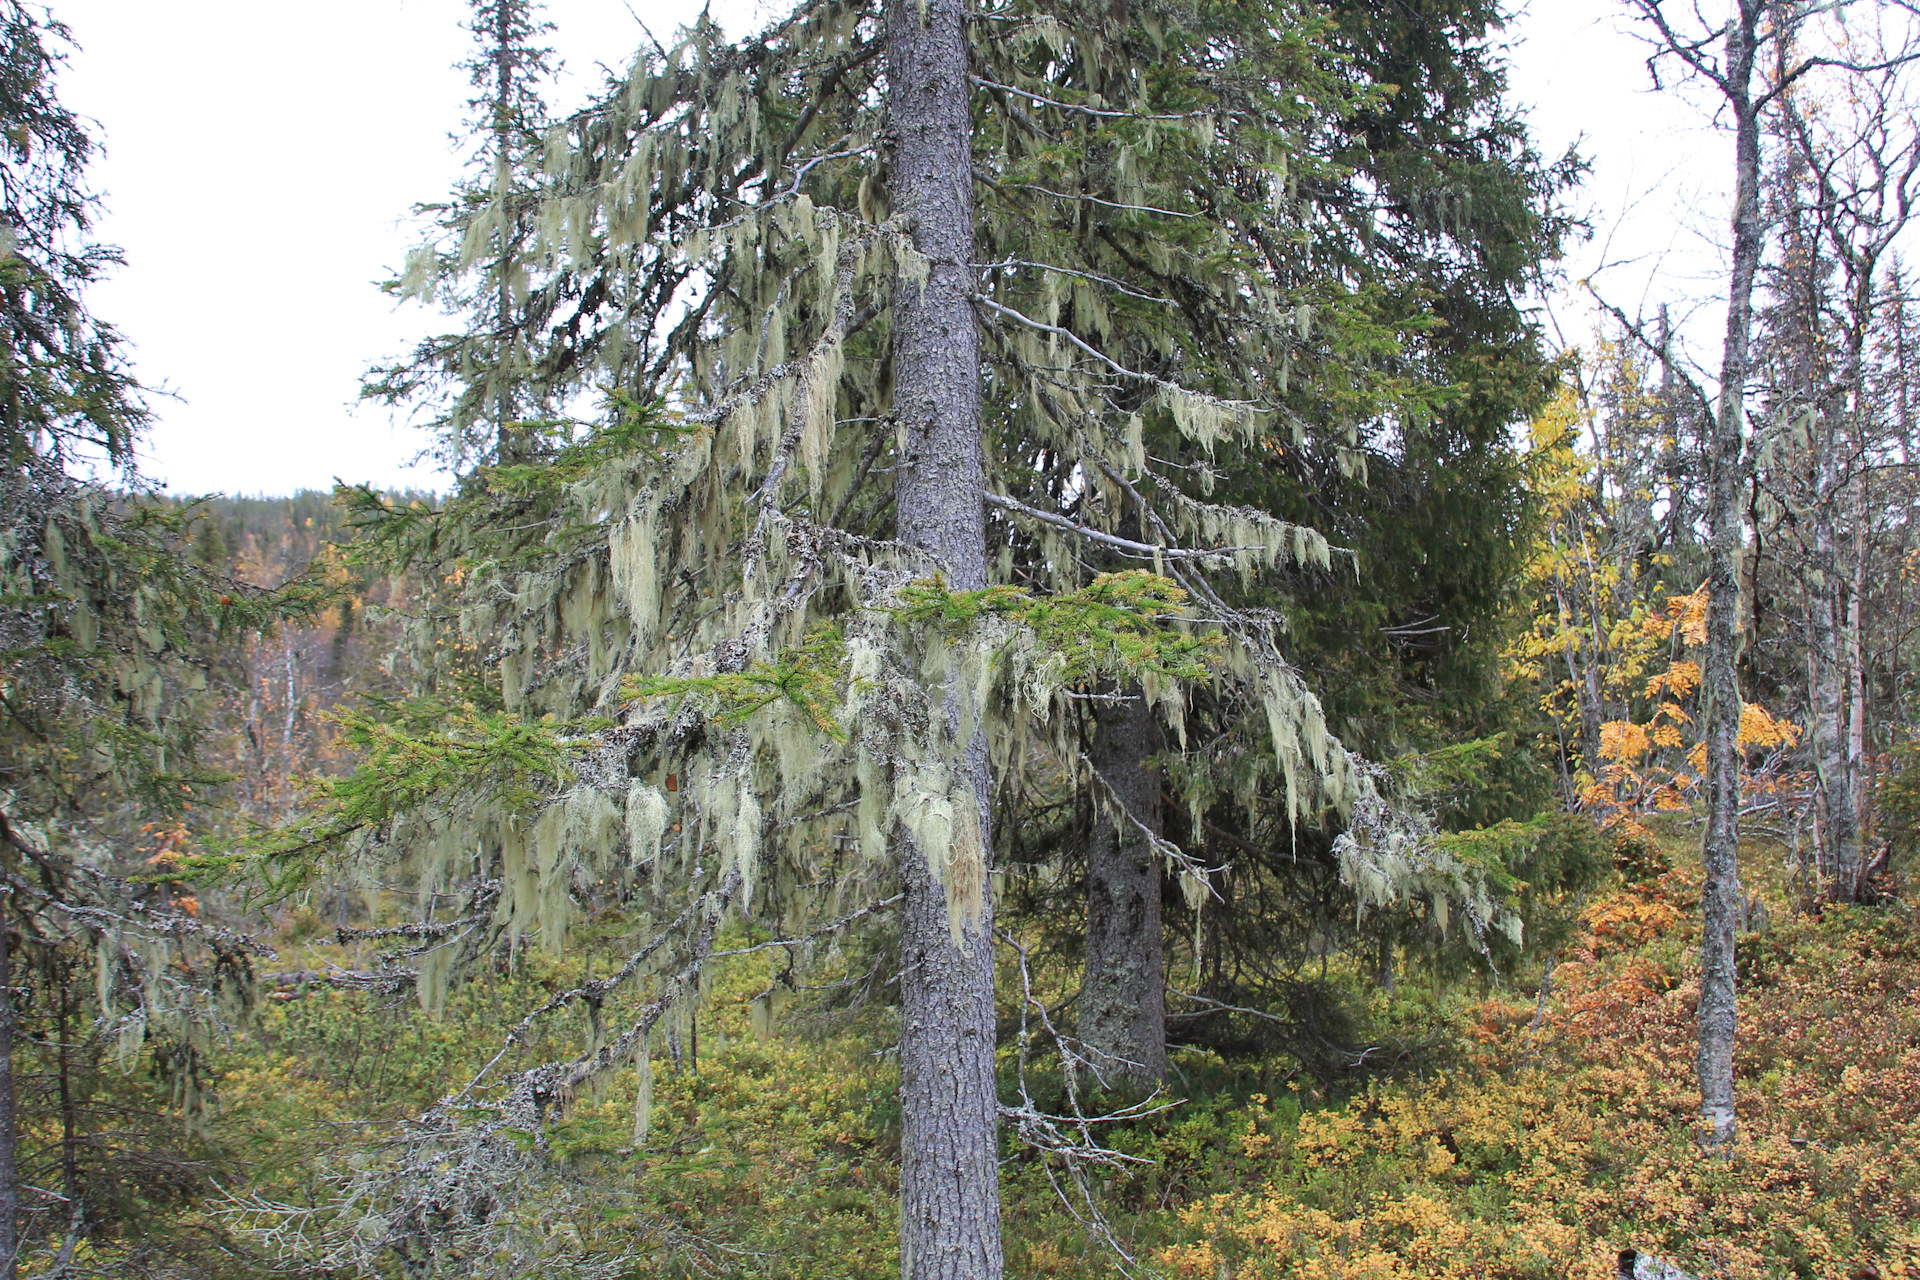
pixel 262 157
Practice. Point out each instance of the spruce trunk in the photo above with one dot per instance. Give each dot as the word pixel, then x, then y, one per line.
pixel 949 1166
pixel 1720 848
pixel 1123 1019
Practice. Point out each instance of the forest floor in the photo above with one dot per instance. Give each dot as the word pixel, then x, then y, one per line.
pixel 1539 1131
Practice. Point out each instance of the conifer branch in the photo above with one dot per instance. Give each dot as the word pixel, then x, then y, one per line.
pixel 1209 1005
pixel 832 926
pixel 982 300
pixel 1188 864
pixel 1138 550
pixel 1068 195
pixel 1096 112
pixel 592 991
pixel 1095 276
pixel 881 435
pixel 828 83
pixel 557 1082
pixel 766 498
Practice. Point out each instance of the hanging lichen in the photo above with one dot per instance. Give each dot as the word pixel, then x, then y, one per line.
pixel 700 582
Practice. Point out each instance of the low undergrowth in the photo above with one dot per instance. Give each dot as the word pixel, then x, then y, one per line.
pixel 1536 1133
pixel 1565 1131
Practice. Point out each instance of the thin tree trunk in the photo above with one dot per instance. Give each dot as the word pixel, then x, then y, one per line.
pixel 1123 1017
pixel 69 1126
pixel 1720 848
pixel 286 732
pixel 1859 766
pixel 1827 664
pixel 949 1167
pixel 504 445
pixel 1817 811
pixel 1585 681
pixel 1752 559
pixel 9 1167
pixel 1853 640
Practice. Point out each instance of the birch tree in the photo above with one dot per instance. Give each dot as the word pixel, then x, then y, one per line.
pixel 1844 187
pixel 1732 61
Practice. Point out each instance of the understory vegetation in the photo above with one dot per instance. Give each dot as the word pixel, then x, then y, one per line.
pixel 1528 1128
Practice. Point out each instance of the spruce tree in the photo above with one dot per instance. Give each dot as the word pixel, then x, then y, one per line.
pixel 1428 201
pixel 475 383
pixel 110 631
pixel 901 317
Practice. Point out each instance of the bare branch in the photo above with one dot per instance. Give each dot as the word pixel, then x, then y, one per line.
pixel 1110 204
pixel 1074 106
pixel 1143 550
pixel 830 927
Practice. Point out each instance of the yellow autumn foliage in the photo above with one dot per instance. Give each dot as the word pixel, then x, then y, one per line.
pixel 1568 1133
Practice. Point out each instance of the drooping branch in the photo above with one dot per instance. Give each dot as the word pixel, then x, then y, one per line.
pixel 1075 107
pixel 814 935
pixel 558 1082
pixel 1189 865
pixel 1139 550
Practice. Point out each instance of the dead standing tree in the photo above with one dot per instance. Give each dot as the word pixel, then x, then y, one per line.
pixel 1731 59
pixel 1845 190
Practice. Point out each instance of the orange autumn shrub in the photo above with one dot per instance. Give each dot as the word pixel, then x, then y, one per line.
pixel 1567 1134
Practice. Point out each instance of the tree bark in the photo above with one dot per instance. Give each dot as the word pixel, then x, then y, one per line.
pixel 1859 767
pixel 1829 686
pixel 1863 268
pixel 949 1168
pixel 1123 1018
pixel 1720 849
pixel 69 1126
pixel 9 1167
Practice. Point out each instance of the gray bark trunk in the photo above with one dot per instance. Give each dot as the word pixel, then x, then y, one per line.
pixel 949 1167
pixel 1123 1019
pixel 9 1168
pixel 1859 768
pixel 1720 848
pixel 1853 644
pixel 1827 664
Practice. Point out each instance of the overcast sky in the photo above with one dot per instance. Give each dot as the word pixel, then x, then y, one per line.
pixel 261 159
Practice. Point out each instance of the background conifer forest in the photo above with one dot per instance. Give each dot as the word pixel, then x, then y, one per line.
pixel 1031 662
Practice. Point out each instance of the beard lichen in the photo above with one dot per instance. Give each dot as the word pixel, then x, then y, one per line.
pixel 729 609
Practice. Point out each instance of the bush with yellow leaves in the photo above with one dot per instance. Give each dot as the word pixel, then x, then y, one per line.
pixel 1567 1133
